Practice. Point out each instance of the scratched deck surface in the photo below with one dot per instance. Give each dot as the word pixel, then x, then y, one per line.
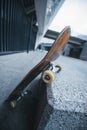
pixel 68 92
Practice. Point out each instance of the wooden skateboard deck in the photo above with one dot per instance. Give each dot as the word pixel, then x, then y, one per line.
pixel 51 56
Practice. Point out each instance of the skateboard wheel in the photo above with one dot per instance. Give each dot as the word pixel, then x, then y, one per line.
pixel 59 68
pixel 13 103
pixel 48 76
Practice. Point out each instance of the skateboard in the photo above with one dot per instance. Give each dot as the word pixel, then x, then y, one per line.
pixel 43 66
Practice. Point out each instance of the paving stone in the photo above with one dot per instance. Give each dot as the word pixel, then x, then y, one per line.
pixel 67 98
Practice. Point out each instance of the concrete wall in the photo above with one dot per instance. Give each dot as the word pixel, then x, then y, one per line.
pixel 83 55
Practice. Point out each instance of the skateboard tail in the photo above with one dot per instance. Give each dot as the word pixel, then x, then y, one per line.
pixel 59 45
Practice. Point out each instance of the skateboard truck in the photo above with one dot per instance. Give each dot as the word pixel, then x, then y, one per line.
pixel 14 101
pixel 55 68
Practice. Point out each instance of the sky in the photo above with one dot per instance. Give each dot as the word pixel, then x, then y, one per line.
pixel 72 13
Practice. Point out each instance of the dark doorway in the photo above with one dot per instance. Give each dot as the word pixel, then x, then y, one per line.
pixel 75 52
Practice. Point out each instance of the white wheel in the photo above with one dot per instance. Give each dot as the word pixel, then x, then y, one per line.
pixel 13 103
pixel 48 76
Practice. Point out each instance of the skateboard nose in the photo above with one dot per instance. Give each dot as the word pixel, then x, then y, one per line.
pixel 59 45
